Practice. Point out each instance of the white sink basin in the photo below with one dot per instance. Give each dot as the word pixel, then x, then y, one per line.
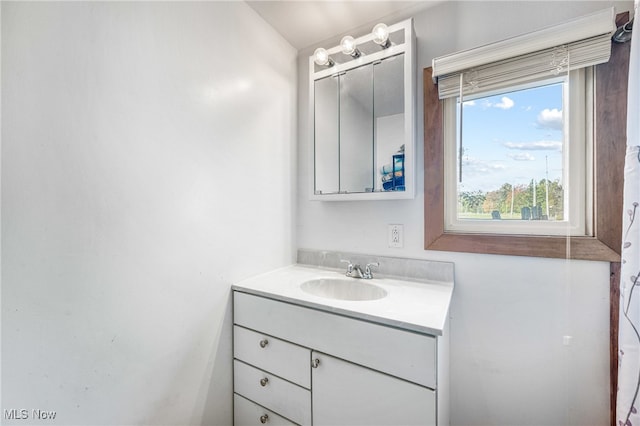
pixel 343 289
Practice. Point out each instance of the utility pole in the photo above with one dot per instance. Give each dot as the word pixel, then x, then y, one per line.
pixel 546 183
pixel 512 195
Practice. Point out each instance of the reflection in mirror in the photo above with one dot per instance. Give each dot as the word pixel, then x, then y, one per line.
pixel 356 130
pixel 389 124
pixel 326 144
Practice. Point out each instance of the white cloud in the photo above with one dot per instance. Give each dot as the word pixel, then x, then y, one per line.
pixel 550 119
pixel 472 166
pixel 535 146
pixel 469 103
pixel 505 103
pixel 486 175
pixel 521 156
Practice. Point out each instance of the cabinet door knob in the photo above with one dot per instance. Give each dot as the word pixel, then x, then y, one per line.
pixel 263 343
pixel 264 418
pixel 315 363
pixel 263 382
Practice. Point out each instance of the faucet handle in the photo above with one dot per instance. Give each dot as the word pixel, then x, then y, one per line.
pixel 349 266
pixel 367 269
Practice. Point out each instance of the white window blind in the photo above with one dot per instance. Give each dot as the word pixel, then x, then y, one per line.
pixel 579 43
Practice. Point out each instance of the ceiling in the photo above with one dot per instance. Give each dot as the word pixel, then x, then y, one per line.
pixel 304 23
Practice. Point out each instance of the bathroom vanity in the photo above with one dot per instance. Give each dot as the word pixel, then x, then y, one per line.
pixel 308 357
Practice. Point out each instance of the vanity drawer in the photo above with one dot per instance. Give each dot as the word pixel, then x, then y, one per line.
pixel 284 359
pixel 404 354
pixel 283 397
pixel 248 413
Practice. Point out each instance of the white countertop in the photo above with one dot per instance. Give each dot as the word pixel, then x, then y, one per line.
pixel 411 305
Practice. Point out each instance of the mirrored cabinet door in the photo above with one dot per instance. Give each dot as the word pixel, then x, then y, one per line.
pixel 389 120
pixel 356 130
pixel 326 142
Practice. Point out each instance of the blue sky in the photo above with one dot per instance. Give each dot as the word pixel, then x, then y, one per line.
pixel 508 136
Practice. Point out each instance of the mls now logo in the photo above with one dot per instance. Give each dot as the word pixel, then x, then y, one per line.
pixel 23 414
pixel 16 414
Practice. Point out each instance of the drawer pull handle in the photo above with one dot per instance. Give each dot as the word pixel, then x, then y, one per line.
pixel 263 343
pixel 315 363
pixel 264 418
pixel 263 382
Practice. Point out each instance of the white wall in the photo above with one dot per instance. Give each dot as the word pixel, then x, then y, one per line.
pixel 509 315
pixel 148 162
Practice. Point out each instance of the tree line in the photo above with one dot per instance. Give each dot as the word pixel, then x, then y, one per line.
pixel 511 199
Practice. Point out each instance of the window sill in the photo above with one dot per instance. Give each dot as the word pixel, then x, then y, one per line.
pixel 588 248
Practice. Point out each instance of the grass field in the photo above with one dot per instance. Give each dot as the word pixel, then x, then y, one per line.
pixel 487 216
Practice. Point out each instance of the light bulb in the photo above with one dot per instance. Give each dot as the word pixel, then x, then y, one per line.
pixel 321 57
pixel 348 46
pixel 381 35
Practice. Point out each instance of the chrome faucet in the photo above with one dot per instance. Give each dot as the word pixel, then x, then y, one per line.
pixel 367 270
pixel 355 271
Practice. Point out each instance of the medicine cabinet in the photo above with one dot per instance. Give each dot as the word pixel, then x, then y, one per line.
pixel 362 111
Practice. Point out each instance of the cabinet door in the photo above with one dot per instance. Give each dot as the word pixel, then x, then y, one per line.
pixel 348 394
pixel 356 130
pixel 326 131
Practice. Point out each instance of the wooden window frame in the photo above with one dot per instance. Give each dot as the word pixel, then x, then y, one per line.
pixel 609 151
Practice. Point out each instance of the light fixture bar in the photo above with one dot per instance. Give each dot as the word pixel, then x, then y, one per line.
pixel 404 27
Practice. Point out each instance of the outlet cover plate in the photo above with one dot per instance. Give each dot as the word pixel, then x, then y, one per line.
pixel 395 236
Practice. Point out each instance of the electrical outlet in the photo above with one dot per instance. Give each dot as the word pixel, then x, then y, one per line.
pixel 395 236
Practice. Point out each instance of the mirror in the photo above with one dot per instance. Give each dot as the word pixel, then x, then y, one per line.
pixel 362 115
pixel 359 129
pixel 356 130
pixel 327 156
pixel 389 124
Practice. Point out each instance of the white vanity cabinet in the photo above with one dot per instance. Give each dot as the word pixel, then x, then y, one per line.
pixel 312 367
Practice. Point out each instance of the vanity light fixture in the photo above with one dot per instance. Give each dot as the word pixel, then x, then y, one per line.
pixel 321 57
pixel 349 47
pixel 381 35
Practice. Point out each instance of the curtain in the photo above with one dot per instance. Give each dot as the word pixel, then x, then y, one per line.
pixel 628 403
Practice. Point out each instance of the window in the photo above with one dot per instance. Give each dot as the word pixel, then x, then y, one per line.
pixel 515 158
pixel 602 166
